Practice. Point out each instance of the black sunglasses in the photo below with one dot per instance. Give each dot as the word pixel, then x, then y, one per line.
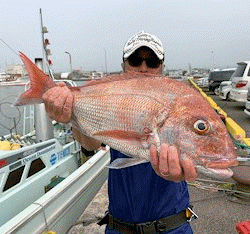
pixel 136 61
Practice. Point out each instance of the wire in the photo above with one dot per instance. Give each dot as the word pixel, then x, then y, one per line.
pixel 15 119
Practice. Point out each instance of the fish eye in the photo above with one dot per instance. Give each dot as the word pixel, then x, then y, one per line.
pixel 201 126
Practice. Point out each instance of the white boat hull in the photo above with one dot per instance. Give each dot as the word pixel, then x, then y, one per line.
pixel 60 208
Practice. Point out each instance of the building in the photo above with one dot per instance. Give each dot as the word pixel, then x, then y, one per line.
pixel 15 70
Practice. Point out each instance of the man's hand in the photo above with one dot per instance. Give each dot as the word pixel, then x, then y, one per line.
pixel 167 164
pixel 59 103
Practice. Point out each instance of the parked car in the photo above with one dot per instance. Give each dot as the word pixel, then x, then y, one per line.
pixel 247 104
pixel 202 82
pixel 224 90
pixel 216 77
pixel 240 82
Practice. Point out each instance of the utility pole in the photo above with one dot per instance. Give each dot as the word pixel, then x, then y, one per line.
pixel 70 61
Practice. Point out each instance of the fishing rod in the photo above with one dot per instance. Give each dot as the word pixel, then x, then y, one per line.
pixel 9 47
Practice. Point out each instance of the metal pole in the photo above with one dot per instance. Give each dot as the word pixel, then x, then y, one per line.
pixel 105 53
pixel 70 61
pixel 43 124
pixel 43 31
pixel 213 65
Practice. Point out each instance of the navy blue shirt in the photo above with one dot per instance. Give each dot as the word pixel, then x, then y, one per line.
pixel 137 194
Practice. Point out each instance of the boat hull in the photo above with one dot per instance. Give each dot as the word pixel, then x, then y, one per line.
pixel 63 205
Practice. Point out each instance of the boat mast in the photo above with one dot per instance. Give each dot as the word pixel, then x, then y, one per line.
pixel 43 124
pixel 46 52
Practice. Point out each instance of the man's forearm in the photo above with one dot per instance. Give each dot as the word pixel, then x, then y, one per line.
pixel 87 143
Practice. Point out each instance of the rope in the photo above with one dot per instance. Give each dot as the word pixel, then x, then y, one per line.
pixel 229 192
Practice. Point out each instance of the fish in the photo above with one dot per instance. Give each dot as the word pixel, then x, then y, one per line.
pixel 131 111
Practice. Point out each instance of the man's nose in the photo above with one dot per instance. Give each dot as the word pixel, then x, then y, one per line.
pixel 143 67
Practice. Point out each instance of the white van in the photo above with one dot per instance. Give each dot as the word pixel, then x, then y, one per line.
pixel 240 82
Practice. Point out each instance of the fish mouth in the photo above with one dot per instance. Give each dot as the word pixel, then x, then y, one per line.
pixel 218 168
pixel 218 173
pixel 219 162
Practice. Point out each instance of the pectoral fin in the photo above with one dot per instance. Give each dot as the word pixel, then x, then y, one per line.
pixel 126 162
pixel 86 142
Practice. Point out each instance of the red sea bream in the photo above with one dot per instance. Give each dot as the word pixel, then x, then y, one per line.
pixel 131 111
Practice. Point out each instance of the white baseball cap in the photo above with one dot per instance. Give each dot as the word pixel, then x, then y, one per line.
pixel 143 39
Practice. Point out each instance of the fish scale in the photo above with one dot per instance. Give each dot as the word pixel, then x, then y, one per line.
pixel 119 114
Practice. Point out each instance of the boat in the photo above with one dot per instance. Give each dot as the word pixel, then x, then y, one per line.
pixel 29 170
pixel 46 182
pixel 3 76
pixel 20 81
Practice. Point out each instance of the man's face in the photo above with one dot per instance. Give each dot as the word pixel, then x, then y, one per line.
pixel 143 60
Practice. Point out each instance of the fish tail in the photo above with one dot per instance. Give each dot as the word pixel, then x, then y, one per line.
pixel 39 83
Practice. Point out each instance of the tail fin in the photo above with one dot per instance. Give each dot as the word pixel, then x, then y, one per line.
pixel 39 83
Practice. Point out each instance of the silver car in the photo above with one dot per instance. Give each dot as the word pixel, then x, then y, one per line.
pixel 203 82
pixel 224 90
pixel 247 105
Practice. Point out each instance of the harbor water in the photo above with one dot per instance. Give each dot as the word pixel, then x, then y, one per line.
pixel 12 117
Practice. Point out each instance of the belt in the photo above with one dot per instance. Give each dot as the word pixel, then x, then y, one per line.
pixel 152 227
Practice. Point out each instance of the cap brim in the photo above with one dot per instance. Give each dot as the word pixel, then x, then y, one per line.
pixel 126 55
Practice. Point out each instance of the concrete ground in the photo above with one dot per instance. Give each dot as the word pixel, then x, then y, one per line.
pixel 93 213
pixel 217 214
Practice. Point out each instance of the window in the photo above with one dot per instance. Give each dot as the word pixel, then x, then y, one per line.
pixel 13 178
pixel 226 75
pixel 36 166
pixel 221 75
pixel 240 70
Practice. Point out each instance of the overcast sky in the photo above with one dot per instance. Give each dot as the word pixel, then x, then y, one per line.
pixel 193 32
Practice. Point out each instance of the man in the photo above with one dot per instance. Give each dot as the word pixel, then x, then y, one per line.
pixel 152 196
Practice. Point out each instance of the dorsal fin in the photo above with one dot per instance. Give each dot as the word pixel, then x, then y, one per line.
pixel 119 77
